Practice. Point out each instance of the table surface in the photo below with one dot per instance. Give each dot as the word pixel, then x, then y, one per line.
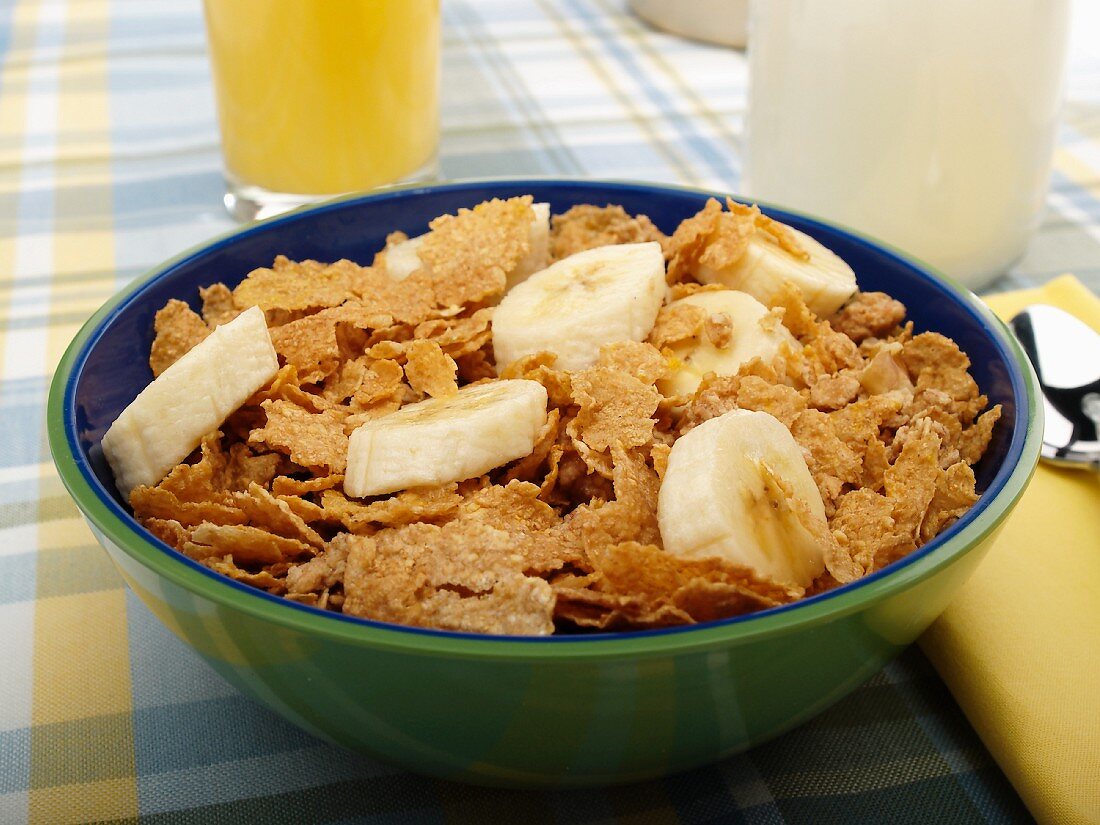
pixel 109 163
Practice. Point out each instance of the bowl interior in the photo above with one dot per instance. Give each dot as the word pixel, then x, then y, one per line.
pixel 111 366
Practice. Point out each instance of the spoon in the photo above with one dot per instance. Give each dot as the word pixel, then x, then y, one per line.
pixel 1066 355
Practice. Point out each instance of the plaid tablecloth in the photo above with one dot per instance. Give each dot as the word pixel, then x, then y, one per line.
pixel 109 162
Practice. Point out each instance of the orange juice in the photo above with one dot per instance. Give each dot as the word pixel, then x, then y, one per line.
pixel 325 96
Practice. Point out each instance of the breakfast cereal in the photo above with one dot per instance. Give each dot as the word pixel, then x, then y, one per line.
pixel 566 538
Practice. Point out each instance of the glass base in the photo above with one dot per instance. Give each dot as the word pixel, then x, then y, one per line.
pixel 247 202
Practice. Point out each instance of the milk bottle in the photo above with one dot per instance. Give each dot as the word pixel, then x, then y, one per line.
pixel 929 125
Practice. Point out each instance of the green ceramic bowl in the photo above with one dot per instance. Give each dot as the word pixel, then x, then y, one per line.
pixel 570 711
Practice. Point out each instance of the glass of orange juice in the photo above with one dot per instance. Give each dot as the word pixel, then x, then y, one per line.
pixel 320 97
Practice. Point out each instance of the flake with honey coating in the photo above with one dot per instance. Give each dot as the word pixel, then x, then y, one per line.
pixel 310 439
pixel 932 351
pixel 869 315
pixel 191 493
pixel 676 323
pixel 864 524
pixel 409 301
pixel 954 495
pixel 829 351
pixel 636 358
pixel 470 253
pixel 630 516
pixel 592 609
pixel 247 545
pixel 261 579
pixel 430 370
pixel 718 329
pixel 303 508
pixel 514 507
pixel 975 439
pixel 458 336
pixel 342 384
pixel 516 605
pixel 797 317
pixel 382 383
pixel 614 406
pixel 275 516
pixel 398 574
pixel 778 400
pixel 860 422
pixel 178 330
pixel 245 467
pixel 170 531
pixel 285 486
pixel 586 226
pixel 911 480
pixel 286 385
pixel 309 345
pixel 295 286
pixel 325 570
pixel 705 589
pixel 217 305
pixel 834 392
pixel 712 237
pixel 423 504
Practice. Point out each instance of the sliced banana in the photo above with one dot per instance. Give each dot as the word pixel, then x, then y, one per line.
pixel 446 439
pixel 750 331
pixel 824 280
pixel 403 259
pixel 578 304
pixel 538 252
pixel 191 398
pixel 737 487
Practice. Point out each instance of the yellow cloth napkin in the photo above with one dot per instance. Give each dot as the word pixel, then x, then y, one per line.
pixel 1019 647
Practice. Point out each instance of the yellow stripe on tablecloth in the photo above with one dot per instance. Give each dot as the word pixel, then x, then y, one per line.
pixel 87 171
pixel 77 140
pixel 112 800
pixel 76 144
pixel 13 122
pixel 81 657
pixel 82 708
pixel 81 650
pixel 84 106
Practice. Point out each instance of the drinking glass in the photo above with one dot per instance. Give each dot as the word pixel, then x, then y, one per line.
pixel 320 97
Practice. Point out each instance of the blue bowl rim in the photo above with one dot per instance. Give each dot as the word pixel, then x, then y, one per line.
pixel 1023 391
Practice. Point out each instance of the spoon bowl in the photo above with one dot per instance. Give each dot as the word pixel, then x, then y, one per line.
pixel 1066 355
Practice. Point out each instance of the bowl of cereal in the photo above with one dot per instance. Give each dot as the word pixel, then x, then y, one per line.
pixel 545 483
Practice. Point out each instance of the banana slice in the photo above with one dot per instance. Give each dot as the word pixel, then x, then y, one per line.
pixel 403 259
pixel 188 400
pixel 578 304
pixel 824 280
pixel 737 487
pixel 446 439
pixel 743 329
pixel 538 252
